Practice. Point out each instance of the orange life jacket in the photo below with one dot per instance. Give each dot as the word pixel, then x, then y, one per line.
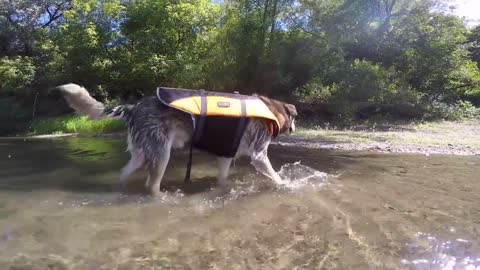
pixel 219 119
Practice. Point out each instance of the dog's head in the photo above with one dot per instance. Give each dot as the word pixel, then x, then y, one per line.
pixel 285 113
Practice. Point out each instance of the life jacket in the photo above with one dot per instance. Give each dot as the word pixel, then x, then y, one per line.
pixel 219 119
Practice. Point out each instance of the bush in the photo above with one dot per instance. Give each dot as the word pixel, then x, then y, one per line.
pixel 364 81
pixel 461 110
pixel 315 92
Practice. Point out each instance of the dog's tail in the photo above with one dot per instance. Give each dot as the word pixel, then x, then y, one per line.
pixel 80 100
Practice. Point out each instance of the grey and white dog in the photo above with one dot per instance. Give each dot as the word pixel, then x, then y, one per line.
pixel 154 129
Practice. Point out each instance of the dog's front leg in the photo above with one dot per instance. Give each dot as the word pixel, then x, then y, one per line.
pixel 223 169
pixel 262 164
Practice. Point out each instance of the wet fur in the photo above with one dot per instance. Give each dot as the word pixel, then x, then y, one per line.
pixel 155 129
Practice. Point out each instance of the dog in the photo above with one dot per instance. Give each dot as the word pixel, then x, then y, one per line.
pixel 154 129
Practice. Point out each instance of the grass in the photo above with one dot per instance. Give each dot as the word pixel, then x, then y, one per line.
pixel 75 124
pixel 442 133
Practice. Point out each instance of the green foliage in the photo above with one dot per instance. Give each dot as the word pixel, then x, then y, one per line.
pixel 367 81
pixel 315 92
pixel 466 110
pixel 338 52
pixel 167 41
pixel 16 73
pixel 363 81
pixel 393 52
pixel 461 110
pixel 75 124
pixel 474 45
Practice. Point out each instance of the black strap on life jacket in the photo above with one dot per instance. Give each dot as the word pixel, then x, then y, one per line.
pixel 189 165
pixel 197 132
pixel 199 123
pixel 242 124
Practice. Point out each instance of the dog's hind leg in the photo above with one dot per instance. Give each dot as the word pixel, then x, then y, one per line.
pixel 262 164
pixel 223 168
pixel 147 183
pixel 156 173
pixel 136 161
pixel 157 170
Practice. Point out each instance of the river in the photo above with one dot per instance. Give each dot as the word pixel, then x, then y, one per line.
pixel 62 208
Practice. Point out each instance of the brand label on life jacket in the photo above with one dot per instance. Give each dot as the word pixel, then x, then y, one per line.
pixel 223 104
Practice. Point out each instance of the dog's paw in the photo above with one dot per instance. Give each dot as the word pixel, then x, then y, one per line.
pixel 156 194
pixel 221 191
pixel 225 184
pixel 155 191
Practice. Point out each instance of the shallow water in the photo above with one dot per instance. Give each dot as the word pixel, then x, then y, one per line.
pixel 61 208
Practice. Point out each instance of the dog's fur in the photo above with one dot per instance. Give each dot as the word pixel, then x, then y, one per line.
pixel 154 129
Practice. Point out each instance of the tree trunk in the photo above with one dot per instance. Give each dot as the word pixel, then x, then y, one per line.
pixel 272 29
pixel 264 25
pixel 34 105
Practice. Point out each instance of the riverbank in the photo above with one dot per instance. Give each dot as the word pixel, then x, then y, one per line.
pixel 444 137
pixel 449 138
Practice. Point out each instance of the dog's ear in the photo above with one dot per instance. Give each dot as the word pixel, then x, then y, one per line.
pixel 291 109
pixel 277 108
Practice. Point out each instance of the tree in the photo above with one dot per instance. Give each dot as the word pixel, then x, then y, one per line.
pixel 340 52
pixel 474 44
pixel 165 42
pixel 19 21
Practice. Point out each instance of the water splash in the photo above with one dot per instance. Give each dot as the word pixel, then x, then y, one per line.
pixel 440 254
pixel 296 176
